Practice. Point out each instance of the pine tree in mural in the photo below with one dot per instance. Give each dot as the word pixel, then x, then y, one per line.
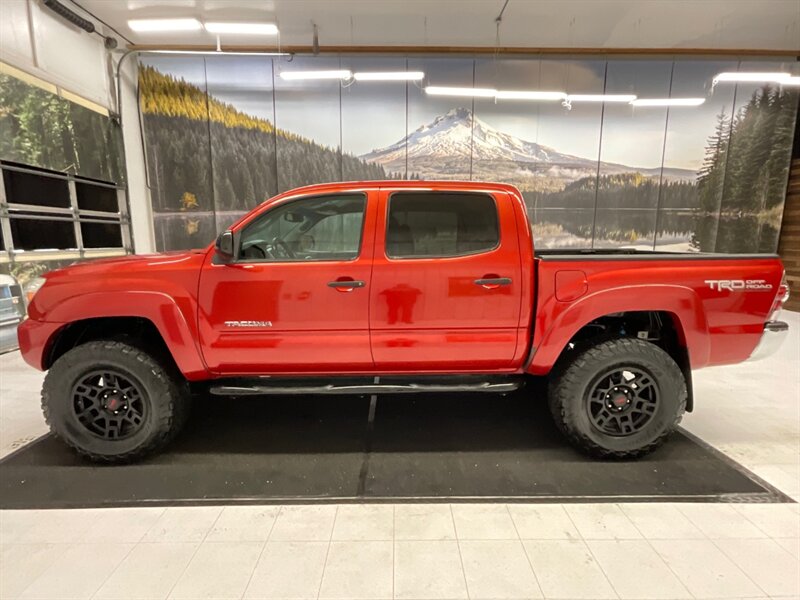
pixel 743 178
pixel 712 173
pixel 227 158
pixel 42 129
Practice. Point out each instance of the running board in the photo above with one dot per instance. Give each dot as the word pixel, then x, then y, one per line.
pixel 280 388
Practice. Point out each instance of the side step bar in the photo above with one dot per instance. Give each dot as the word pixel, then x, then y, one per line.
pixel 278 387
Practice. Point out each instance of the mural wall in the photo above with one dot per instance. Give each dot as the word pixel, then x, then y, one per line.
pixel 41 129
pixel 225 133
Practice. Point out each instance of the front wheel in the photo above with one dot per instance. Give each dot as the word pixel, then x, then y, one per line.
pixel 619 399
pixel 113 402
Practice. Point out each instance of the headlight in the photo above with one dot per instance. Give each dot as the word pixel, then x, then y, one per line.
pixel 32 287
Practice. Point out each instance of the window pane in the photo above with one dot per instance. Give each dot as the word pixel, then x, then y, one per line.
pixel 27 188
pixel 101 235
pixel 440 224
pixel 95 197
pixel 37 234
pixel 320 228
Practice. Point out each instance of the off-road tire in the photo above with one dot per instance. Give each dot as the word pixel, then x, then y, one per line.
pixel 164 389
pixel 568 393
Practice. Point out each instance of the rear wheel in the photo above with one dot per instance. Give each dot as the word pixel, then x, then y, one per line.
pixel 619 399
pixel 113 402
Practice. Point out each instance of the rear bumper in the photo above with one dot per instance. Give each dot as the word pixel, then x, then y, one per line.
pixel 775 332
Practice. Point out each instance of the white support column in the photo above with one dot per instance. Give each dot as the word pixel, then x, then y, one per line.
pixel 141 213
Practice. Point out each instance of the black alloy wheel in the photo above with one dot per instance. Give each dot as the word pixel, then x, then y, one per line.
pixel 622 401
pixel 110 404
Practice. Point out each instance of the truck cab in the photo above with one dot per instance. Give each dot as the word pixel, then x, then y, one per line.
pixel 397 279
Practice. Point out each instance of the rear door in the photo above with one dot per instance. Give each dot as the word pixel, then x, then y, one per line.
pixel 446 282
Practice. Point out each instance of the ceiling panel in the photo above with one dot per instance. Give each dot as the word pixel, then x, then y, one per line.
pixel 710 24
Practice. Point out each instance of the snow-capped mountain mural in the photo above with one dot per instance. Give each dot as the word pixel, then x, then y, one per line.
pixel 443 147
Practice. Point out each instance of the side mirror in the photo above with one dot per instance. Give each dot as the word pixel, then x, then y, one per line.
pixel 226 246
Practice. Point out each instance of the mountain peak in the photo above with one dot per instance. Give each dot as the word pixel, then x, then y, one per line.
pixel 457 133
pixel 459 113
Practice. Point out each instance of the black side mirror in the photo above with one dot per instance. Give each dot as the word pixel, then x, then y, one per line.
pixel 226 246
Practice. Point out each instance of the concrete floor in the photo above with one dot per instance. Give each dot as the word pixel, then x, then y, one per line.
pixel 751 412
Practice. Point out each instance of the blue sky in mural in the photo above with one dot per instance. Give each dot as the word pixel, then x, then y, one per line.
pixel 374 114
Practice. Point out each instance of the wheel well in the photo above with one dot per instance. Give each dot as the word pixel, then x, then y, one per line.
pixel 136 331
pixel 658 327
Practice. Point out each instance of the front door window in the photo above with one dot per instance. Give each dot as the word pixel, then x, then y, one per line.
pixel 322 228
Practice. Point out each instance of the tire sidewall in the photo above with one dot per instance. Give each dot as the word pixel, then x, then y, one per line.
pixel 77 363
pixel 668 380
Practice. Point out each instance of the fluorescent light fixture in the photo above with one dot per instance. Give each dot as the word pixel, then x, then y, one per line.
pixel 148 25
pixel 299 75
pixel 242 28
pixel 434 90
pixel 216 52
pixel 389 76
pixel 601 98
pixel 741 76
pixel 668 101
pixel 791 80
pixel 529 95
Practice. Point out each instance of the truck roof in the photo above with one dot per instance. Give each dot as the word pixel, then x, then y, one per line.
pixel 341 186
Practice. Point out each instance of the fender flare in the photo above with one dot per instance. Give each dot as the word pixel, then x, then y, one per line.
pixel 564 320
pixel 178 332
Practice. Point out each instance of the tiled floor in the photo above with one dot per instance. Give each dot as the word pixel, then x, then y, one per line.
pixel 653 550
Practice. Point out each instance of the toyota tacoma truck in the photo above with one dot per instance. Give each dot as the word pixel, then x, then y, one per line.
pixel 392 287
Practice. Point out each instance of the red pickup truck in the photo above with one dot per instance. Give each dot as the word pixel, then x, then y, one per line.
pixel 392 287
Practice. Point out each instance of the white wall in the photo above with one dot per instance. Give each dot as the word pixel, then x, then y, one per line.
pixel 34 39
pixel 138 192
pixel 39 42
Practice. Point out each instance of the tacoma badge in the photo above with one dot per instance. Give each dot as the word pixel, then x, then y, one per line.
pixel 248 323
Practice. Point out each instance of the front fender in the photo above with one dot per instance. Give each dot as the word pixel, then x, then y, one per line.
pixel 177 331
pixel 558 322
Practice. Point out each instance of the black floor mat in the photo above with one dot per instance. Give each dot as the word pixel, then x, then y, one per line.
pixel 450 447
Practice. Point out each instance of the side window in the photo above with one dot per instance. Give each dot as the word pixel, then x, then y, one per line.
pixel 440 224
pixel 309 229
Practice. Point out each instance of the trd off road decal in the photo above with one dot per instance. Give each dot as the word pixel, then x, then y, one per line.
pixel 738 285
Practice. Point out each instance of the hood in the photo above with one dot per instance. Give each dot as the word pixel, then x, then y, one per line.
pixel 128 262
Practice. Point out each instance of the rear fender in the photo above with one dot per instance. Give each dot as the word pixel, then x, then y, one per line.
pixel 563 320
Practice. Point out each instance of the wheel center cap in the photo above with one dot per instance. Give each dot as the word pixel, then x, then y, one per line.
pixel 114 403
pixel 620 400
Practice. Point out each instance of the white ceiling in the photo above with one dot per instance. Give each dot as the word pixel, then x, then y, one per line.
pixel 701 24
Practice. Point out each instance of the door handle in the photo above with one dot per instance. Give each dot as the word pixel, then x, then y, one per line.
pixel 346 285
pixel 493 282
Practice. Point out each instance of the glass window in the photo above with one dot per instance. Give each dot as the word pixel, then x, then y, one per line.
pixel 37 190
pixel 96 197
pixel 430 224
pixel 101 235
pixel 54 233
pixel 319 228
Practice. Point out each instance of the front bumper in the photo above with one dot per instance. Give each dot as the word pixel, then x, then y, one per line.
pixel 775 332
pixel 34 339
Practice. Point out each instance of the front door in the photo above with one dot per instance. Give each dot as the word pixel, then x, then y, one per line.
pixel 446 282
pixel 297 297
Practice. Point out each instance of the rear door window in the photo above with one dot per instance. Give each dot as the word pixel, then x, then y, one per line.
pixel 441 224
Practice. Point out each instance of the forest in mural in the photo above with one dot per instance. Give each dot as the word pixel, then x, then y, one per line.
pixel 224 134
pixel 42 129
